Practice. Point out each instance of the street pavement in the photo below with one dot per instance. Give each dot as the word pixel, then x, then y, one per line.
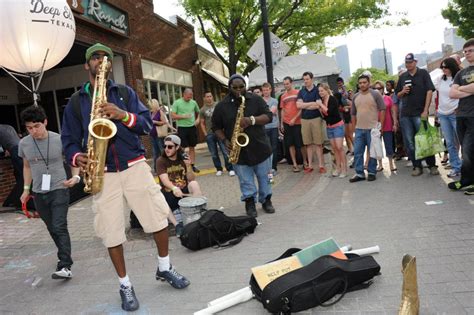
pixel 389 212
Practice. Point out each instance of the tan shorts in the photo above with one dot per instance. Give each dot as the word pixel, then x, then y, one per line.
pixel 136 189
pixel 313 131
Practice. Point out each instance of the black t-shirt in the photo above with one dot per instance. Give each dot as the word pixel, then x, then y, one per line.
pixel 223 118
pixel 414 102
pixel 466 104
pixel 333 114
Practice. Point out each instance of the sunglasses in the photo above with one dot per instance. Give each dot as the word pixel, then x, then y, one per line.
pixel 238 87
pixel 170 146
pixel 99 56
pixel 379 88
pixel 443 67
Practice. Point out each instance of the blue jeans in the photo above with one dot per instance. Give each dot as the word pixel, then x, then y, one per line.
pixel 53 207
pixel 361 141
pixel 247 181
pixel 157 146
pixel 272 134
pixel 465 128
pixel 410 126
pixel 388 143
pixel 212 143
pixel 448 126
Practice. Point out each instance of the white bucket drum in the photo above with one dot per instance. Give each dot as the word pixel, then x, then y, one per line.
pixel 192 208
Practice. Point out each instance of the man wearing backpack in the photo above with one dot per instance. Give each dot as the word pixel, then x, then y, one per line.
pixel 127 177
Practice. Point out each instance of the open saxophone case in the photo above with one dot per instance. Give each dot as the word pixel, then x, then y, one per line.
pixel 315 284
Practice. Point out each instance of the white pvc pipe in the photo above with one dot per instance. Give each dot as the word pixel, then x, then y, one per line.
pixel 227 301
pixel 365 251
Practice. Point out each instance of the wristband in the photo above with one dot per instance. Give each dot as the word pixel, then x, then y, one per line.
pixel 125 119
pixel 252 120
pixel 78 178
pixel 26 187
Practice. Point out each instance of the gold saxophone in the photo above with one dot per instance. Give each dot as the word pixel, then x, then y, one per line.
pixel 239 138
pixel 101 129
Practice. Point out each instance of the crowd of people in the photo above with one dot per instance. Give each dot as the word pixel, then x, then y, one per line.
pixel 310 121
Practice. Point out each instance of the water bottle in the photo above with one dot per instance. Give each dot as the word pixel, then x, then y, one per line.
pixel 270 177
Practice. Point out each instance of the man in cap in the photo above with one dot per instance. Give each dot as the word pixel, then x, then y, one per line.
pixel 127 178
pixel 415 90
pixel 176 176
pixel 255 158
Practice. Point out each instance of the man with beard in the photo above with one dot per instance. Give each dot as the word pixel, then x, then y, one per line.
pixel 128 178
pixel 176 176
pixel 255 158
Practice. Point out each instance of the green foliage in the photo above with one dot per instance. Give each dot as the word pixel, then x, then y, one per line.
pixel 377 74
pixel 460 13
pixel 235 25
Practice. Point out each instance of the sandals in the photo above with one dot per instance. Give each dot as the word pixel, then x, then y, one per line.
pixel 296 169
pixel 380 168
pixel 322 170
pixel 308 170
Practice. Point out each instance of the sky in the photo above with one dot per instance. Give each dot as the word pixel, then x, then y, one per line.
pixel 425 32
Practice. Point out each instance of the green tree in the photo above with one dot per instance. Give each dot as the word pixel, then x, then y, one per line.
pixel 460 13
pixel 235 25
pixel 377 74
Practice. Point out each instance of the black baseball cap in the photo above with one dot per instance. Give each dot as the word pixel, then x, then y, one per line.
pixel 410 57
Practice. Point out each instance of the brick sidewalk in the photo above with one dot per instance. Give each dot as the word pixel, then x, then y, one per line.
pixel 389 212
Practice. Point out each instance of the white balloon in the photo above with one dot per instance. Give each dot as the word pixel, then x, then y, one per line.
pixel 28 28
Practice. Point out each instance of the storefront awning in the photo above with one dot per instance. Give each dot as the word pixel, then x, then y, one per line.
pixel 220 78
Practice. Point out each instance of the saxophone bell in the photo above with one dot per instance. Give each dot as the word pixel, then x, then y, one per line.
pixel 242 139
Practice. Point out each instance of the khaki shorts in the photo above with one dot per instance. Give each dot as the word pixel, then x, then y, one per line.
pixel 135 188
pixel 313 131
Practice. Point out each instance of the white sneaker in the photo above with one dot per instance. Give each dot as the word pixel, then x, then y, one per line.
pixel 64 273
pixel 219 173
pixel 409 164
pixel 231 173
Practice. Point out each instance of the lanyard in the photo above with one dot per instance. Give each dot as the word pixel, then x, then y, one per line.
pixel 46 161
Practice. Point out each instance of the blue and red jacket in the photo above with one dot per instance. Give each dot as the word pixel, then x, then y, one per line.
pixel 125 148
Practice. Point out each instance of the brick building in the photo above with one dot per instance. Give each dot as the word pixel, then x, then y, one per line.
pixel 154 56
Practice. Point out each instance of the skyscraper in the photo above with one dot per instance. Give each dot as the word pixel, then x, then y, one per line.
pixel 342 60
pixel 377 60
pixel 452 39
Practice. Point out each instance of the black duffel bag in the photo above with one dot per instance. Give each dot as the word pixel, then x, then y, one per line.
pixel 316 283
pixel 214 228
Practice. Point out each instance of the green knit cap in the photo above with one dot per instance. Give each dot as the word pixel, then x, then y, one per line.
pixel 99 47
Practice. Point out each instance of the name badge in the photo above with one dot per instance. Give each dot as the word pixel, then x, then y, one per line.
pixel 46 182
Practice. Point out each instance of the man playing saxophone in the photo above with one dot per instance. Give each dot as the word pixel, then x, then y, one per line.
pixel 127 179
pixel 254 159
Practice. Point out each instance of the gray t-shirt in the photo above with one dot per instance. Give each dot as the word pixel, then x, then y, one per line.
pixel 28 150
pixel 8 137
pixel 273 106
pixel 206 114
pixel 466 104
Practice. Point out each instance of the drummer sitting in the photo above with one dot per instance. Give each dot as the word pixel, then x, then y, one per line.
pixel 176 176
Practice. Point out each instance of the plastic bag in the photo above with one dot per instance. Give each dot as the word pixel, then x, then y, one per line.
pixel 428 141
pixel 376 150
